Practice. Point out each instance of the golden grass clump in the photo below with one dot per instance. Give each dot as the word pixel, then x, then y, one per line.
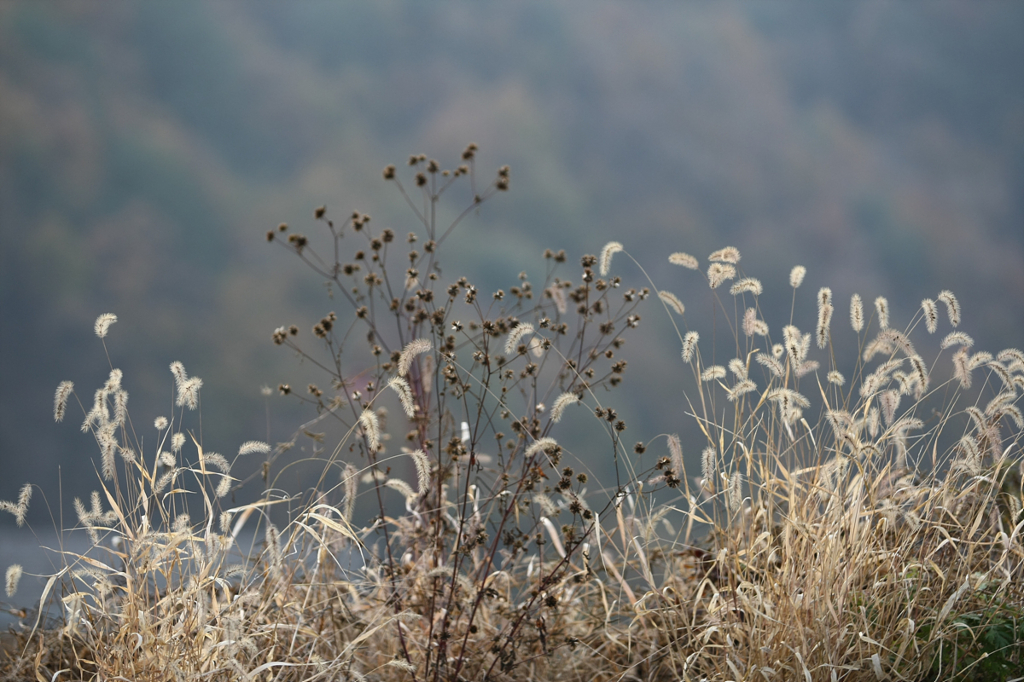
pixel 854 517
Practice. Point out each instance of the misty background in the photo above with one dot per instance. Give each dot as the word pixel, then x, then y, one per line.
pixel 146 148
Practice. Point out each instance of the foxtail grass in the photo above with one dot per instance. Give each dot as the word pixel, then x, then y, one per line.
pixel 848 518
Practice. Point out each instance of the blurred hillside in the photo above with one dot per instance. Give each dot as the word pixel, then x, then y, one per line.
pixel 146 148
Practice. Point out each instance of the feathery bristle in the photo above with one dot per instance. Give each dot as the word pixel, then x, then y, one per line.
pixel 920 375
pixel 114 381
pixel 738 368
pixel 796 276
pixel 253 446
pixel 675 449
pixel 103 323
pixel 835 377
pixel 401 486
pixel 719 273
pixel 217 461
pixel 956 339
pixel 824 316
pixel 180 376
pixel 108 448
pixel 729 254
pixel 856 313
pixel 223 488
pixel 411 350
pixel 792 339
pixel 563 401
pixel 931 315
pixel 889 402
pixel 609 250
pixel 558 296
pixel 685 260
pixel 824 297
pixel 773 365
pixel 13 577
pixel 742 387
pixel 188 393
pixel 672 302
pixel 120 407
pixel 371 429
pixel 713 372
pixel 350 483
pixel 419 458
pixel 882 308
pixel 404 391
pixel 541 444
pixel 747 285
pixel 787 397
pixel 60 399
pixel 707 464
pixel 752 325
pixel 1012 357
pixel 952 306
pixel 517 333
pixel 978 359
pixel 20 509
pixel 689 345
pixel 735 492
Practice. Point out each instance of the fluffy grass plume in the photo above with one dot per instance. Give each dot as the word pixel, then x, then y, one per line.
pixel 719 273
pixel 60 399
pixel 689 345
pixel 561 402
pixel 729 254
pixel 856 516
pixel 747 285
pixel 824 316
pixel 856 313
pixel 684 260
pixel 514 336
pixel 952 306
pixel 882 310
pixel 931 315
pixel 371 428
pixel 609 250
pixel 752 324
pixel 13 576
pixel 409 353
pixel 796 276
pixel 672 302
pixel 19 509
pixel 400 386
pixel 103 322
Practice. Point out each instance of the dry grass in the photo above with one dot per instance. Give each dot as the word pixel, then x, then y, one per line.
pixel 840 529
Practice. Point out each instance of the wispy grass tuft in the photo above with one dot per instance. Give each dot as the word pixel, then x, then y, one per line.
pixel 853 518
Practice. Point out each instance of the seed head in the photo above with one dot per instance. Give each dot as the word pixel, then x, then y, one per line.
pixel 103 323
pixel 882 308
pixel 856 313
pixel 609 250
pixel 685 260
pixel 796 276
pixel 672 301
pixel 719 273
pixel 931 315
pixel 60 399
pixel 729 254
pixel 952 306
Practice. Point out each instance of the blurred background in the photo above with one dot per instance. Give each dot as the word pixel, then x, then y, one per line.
pixel 146 148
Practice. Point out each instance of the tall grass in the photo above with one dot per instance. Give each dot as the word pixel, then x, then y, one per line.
pixel 865 526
